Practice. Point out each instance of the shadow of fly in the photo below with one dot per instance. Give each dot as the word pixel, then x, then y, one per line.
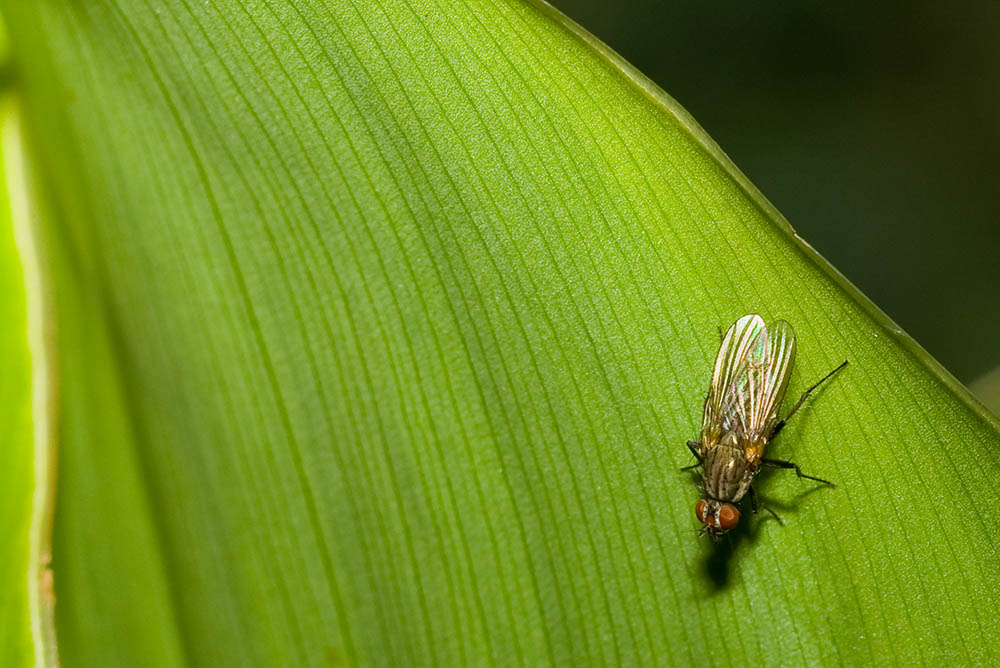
pixel 741 417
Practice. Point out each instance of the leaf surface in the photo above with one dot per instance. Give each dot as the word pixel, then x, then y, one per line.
pixel 382 326
pixel 16 444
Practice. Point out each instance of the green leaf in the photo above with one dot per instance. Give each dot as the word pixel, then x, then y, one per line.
pixel 16 446
pixel 28 394
pixel 381 328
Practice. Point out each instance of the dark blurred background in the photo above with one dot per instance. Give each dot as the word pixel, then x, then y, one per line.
pixel 874 127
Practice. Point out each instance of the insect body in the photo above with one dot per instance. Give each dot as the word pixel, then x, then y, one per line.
pixel 741 417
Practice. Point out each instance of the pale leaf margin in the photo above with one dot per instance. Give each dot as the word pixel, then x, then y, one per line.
pixel 25 213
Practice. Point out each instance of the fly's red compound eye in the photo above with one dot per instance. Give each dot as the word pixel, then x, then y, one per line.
pixel 701 510
pixel 729 517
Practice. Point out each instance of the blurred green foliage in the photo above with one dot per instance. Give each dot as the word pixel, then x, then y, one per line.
pixel 872 126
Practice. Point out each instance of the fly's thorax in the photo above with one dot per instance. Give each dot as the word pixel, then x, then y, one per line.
pixel 727 475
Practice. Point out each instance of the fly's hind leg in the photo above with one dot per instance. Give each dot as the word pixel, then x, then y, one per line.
pixel 782 464
pixel 805 395
pixel 693 447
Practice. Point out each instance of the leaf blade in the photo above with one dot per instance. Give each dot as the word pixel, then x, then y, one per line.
pixel 401 333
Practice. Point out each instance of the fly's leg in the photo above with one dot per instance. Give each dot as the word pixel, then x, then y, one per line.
pixel 798 404
pixel 693 447
pixel 782 464
pixel 755 504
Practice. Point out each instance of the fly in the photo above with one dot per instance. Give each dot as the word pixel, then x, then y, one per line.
pixel 741 417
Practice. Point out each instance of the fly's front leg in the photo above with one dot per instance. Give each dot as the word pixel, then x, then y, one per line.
pixel 798 404
pixel 781 464
pixel 693 446
pixel 755 504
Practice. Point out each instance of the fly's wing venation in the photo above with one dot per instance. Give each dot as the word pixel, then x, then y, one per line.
pixel 768 382
pixel 748 383
pixel 729 377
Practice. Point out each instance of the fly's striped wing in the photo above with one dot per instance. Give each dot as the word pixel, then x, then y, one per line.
pixel 767 384
pixel 729 377
pixel 748 384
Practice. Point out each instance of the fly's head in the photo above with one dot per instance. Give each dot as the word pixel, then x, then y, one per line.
pixel 717 516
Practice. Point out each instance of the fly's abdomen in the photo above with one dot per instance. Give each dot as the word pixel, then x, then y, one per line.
pixel 726 477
